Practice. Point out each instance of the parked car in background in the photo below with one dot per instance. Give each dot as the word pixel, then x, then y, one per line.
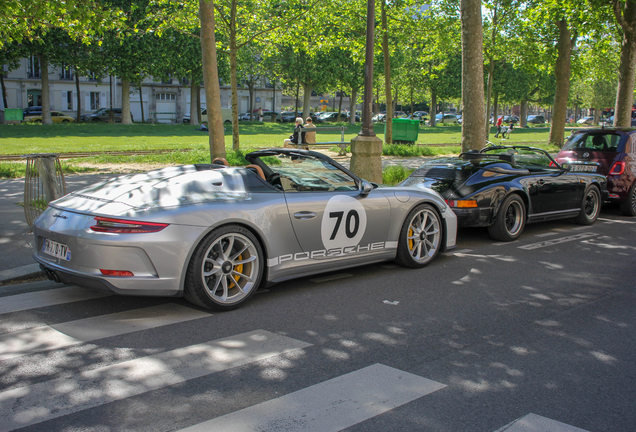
pixel 608 121
pixel 510 119
pixel 56 116
pixel 226 112
pixel 103 115
pixel 286 117
pixel 586 120
pixel 535 119
pixel 447 117
pixel 378 118
pixel 610 152
pixel 503 188
pixel 32 110
pixel 333 117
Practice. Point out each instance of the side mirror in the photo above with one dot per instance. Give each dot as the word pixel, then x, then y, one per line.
pixel 365 188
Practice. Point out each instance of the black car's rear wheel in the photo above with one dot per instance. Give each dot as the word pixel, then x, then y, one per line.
pixel 225 270
pixel 420 237
pixel 590 206
pixel 628 207
pixel 510 220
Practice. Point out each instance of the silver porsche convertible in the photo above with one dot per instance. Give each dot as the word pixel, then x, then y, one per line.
pixel 215 233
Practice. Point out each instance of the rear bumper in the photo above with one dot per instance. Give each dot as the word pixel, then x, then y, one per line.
pixel 474 217
pixel 135 286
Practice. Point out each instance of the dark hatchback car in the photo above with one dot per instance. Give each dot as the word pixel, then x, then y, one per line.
pixel 610 152
pixel 103 115
pixel 536 119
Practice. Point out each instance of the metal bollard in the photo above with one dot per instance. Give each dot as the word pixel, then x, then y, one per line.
pixel 44 183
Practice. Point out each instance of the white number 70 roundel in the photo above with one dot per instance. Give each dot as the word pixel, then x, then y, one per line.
pixel 343 223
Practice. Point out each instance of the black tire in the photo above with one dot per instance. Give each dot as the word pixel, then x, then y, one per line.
pixel 590 206
pixel 65 121
pixel 225 269
pixel 510 219
pixel 420 237
pixel 628 207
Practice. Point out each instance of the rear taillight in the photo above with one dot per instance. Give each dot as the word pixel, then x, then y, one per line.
pixel 617 169
pixel 116 272
pixel 120 226
pixel 462 203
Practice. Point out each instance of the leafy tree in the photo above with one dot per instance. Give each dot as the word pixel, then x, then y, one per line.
pixel 473 119
pixel 625 13
pixel 211 80
pixel 10 55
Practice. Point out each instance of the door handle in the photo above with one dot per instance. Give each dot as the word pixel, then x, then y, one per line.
pixel 304 215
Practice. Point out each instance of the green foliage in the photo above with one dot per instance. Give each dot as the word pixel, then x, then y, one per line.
pixel 394 174
pixel 406 150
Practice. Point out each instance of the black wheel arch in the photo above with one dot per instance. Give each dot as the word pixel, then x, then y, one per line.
pixel 513 191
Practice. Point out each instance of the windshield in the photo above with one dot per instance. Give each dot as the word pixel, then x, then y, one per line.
pixel 300 173
pixel 603 142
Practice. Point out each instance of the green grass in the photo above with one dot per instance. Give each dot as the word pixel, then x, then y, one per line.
pixel 18 170
pixel 187 145
pixel 394 174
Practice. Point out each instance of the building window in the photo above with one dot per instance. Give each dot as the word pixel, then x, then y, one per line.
pixel 33 67
pixel 69 101
pixel 94 100
pixel 166 96
pixel 92 76
pixel 66 73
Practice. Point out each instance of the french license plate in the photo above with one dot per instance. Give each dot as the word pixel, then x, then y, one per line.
pixel 58 250
pixel 583 168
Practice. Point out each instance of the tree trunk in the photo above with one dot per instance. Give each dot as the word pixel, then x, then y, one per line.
pixel 433 112
pixel 4 92
pixel 523 114
pixel 562 73
pixel 125 102
pixel 352 105
pixel 296 100
pixel 307 89
pixel 236 145
pixel 627 68
pixel 250 91
pixel 194 109
pixel 46 100
pixel 473 121
pixel 211 80
pixel 495 109
pixel 491 72
pixel 388 136
pixel 141 99
pixel 79 98
pixel 340 104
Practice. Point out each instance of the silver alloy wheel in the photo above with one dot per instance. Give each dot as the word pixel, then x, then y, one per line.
pixel 230 268
pixel 424 235
pixel 514 218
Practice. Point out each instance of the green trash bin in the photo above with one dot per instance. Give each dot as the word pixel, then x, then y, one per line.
pixel 405 130
pixel 13 115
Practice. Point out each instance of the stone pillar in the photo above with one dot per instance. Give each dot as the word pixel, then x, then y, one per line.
pixel 366 158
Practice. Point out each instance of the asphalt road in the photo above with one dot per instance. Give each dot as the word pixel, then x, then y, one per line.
pixel 534 335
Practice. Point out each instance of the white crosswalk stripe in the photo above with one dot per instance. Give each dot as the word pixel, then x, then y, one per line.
pixel 46 298
pixel 536 423
pixel 33 404
pixel 62 335
pixel 329 406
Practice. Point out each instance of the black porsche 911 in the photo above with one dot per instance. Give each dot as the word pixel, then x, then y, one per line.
pixel 505 187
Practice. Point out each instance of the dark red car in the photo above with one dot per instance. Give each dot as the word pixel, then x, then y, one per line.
pixel 607 151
